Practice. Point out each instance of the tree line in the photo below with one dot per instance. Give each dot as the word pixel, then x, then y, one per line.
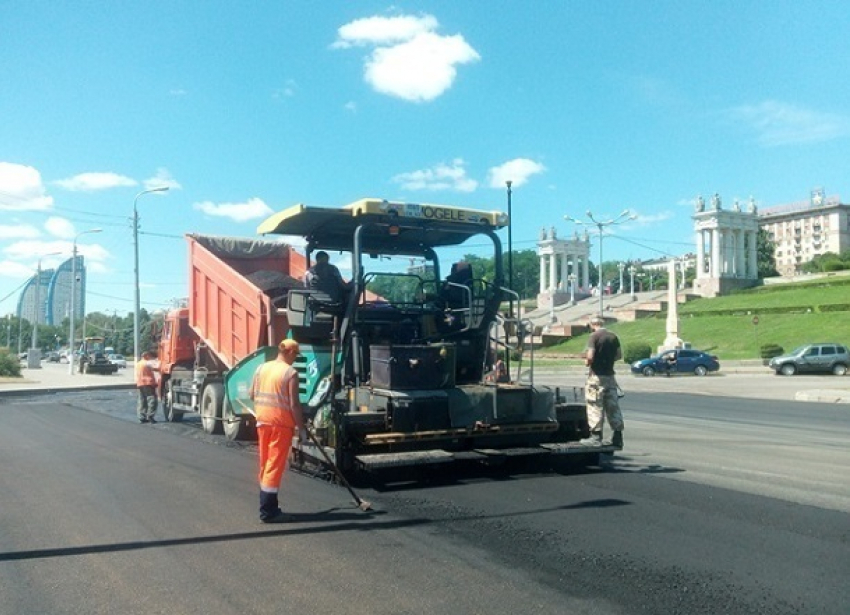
pixel 117 331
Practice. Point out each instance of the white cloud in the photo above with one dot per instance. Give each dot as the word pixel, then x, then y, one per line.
pixel 95 255
pixel 383 30
pixel 21 189
pixel 776 123
pixel 92 182
pixel 25 255
pixel 60 227
pixel 48 251
pixel 162 178
pixel 12 269
pixel 411 61
pixel 648 220
pixel 350 106
pixel 18 231
pixel 440 177
pixel 289 90
pixel 518 171
pixel 239 212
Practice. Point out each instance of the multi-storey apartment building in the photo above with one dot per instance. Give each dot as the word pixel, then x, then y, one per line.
pixel 48 299
pixel 805 229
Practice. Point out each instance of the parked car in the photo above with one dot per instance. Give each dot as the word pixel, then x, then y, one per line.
pixel 117 359
pixel 677 362
pixel 813 358
pixel 52 357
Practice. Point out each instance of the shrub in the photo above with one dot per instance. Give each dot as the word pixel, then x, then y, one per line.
pixel 636 351
pixel 768 351
pixel 9 364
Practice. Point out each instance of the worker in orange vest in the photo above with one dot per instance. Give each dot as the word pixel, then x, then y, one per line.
pixel 146 384
pixel 279 413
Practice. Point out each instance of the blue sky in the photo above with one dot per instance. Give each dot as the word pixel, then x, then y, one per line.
pixel 245 108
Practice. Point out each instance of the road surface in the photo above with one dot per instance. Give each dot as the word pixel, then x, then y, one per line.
pixel 718 505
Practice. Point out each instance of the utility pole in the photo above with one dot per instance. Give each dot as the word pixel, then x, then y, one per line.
pixel 624 216
pixel 137 305
pixel 510 244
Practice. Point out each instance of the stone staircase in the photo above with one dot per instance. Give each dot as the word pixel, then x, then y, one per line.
pixel 564 321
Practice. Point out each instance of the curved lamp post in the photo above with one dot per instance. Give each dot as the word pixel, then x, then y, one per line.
pixel 137 306
pixel 624 216
pixel 72 356
pixel 632 271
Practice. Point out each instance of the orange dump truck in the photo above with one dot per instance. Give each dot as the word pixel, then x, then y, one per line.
pixel 237 309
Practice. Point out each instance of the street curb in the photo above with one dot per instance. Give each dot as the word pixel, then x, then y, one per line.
pixel 28 391
pixel 828 396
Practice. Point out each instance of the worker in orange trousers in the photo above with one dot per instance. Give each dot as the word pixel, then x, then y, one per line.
pixel 279 413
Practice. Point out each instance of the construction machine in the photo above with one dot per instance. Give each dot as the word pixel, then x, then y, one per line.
pixel 398 373
pixel 93 359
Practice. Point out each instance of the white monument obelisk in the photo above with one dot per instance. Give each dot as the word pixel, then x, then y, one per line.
pixel 672 340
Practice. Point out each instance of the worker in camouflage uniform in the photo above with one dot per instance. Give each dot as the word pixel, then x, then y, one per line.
pixel 603 350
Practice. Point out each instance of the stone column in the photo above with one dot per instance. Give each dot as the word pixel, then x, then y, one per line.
pixel 714 265
pixel 700 273
pixel 585 271
pixel 553 268
pixel 562 279
pixel 752 256
pixel 740 262
pixel 542 273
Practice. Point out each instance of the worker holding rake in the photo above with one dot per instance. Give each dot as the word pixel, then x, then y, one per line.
pixel 279 413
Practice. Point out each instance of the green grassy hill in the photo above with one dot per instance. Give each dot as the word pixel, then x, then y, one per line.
pixel 788 315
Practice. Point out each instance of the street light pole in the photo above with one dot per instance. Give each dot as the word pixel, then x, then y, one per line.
pixel 632 274
pixel 622 267
pixel 72 355
pixel 136 268
pixel 624 216
pixel 510 243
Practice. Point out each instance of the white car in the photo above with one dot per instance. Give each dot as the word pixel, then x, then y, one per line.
pixel 117 359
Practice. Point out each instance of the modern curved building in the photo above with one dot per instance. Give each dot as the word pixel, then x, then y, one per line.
pixel 52 293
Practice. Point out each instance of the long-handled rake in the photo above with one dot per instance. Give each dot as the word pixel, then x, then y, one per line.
pixel 361 503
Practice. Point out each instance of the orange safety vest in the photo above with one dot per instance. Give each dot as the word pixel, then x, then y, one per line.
pixel 271 394
pixel 144 374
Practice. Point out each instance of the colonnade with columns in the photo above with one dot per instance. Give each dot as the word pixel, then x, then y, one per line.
pixel 727 253
pixel 727 246
pixel 560 259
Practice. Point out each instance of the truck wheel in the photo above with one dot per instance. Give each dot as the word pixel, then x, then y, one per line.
pixel 171 415
pixel 211 403
pixel 235 427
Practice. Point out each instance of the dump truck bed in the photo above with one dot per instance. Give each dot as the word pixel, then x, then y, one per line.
pixel 238 291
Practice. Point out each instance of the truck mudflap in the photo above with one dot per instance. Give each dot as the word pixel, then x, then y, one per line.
pixel 382 461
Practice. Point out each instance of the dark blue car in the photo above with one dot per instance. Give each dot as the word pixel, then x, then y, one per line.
pixel 677 362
